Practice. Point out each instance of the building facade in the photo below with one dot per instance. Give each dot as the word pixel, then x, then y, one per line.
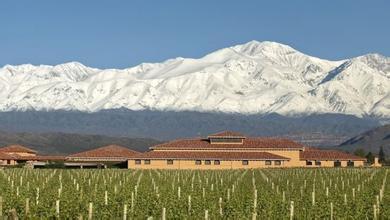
pixel 232 150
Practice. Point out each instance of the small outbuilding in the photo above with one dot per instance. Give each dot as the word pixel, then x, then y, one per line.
pixel 15 154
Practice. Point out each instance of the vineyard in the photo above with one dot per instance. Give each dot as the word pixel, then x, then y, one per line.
pixel 155 194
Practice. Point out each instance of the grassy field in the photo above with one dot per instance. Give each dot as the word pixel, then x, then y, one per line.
pixel 237 194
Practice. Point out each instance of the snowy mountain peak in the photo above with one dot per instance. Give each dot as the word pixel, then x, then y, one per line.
pixel 71 65
pixel 21 68
pixel 74 71
pixel 375 61
pixel 254 48
pixel 251 78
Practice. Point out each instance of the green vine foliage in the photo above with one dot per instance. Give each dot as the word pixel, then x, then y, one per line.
pixel 340 193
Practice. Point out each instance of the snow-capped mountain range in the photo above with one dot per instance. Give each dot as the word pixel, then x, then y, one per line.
pixel 252 78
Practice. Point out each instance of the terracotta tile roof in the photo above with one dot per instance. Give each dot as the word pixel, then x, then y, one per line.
pixel 208 155
pixel 45 158
pixel 115 151
pixel 247 143
pixel 17 149
pixel 227 134
pixel 327 155
pixel 10 156
pixel 5 156
pixel 310 148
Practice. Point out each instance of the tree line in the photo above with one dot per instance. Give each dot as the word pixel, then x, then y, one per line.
pixel 370 156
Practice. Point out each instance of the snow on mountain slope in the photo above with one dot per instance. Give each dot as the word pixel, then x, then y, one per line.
pixel 362 86
pixel 256 77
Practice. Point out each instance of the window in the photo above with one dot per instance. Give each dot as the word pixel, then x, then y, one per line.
pixel 226 140
pixel 198 162
pixel 245 162
pixel 268 162
pixel 350 163
pixel 146 161
pixel 217 162
pixel 137 161
pixel 207 162
pixel 169 162
pixel 309 163
pixel 278 162
pixel 337 163
pixel 318 163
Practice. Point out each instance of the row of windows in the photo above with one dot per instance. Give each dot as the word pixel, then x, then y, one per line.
pixel 349 163
pixel 335 164
pixel 207 162
pixel 244 162
pixel 226 140
pixel 216 162
pixel 309 163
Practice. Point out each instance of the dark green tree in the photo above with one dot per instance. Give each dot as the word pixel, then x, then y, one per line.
pixel 382 156
pixel 360 152
pixel 370 158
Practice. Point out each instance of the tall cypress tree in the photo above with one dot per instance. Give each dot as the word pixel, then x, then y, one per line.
pixel 370 158
pixel 382 156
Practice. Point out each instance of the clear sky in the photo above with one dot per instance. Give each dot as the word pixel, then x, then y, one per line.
pixel 119 34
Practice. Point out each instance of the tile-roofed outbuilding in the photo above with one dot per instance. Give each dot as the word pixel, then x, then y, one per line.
pixel 16 148
pixel 208 155
pixel 114 152
pixel 314 154
pixel 248 143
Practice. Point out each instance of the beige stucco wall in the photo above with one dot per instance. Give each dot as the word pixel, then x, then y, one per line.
pixel 292 154
pixel 190 164
pixel 228 164
pixel 4 162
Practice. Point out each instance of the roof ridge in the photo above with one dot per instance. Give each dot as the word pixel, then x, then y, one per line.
pixel 248 143
pixel 179 139
pixel 16 148
pixel 112 150
pixel 328 154
pixel 226 133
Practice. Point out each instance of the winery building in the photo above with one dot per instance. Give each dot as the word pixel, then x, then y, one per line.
pixel 232 150
pixel 225 150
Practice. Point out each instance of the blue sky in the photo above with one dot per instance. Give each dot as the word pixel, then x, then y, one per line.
pixel 119 34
